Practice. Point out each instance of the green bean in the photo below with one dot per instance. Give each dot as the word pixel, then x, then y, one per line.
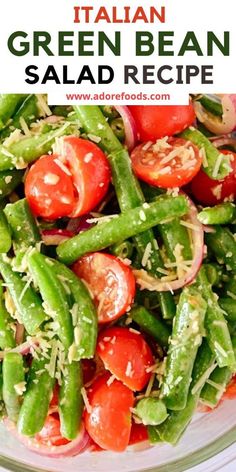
pixel 84 315
pixel 173 234
pixel 185 339
pixel 28 149
pixel 60 110
pixel 151 411
pixel 229 307
pixel 213 156
pixel 123 250
pixel 117 126
pixel 221 214
pixel 2 406
pixel 229 287
pixel 223 246
pixel 9 180
pixel 38 395
pixel 214 273
pixel 5 234
pixel 53 294
pixel 29 111
pixel 109 111
pixel 212 105
pixel 217 331
pixel 127 224
pixel 172 429
pixel 127 188
pixel 216 384
pixel 70 401
pixel 6 334
pixel 13 383
pixel 150 192
pixel 150 324
pixel 27 302
pixel 25 232
pixel 8 105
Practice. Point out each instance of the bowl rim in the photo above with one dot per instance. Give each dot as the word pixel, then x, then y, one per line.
pixel 184 463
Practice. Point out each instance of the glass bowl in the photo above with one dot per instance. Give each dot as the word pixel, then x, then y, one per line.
pixel 207 435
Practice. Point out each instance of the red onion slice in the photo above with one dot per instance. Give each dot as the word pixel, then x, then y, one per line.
pixel 22 349
pixel 129 126
pixel 225 140
pixel 151 283
pixel 216 124
pixel 77 446
pixel 53 237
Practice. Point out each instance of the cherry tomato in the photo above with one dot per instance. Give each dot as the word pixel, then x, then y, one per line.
pixel 90 171
pixel 69 184
pixel 139 433
pixel 126 355
pixel 230 392
pixel 88 369
pixel 111 282
pixel 211 192
pixel 109 421
pixel 49 190
pixel 55 396
pixel 156 121
pixel 169 163
pixel 50 433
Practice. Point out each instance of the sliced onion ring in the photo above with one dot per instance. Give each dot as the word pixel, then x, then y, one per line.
pixel 151 283
pixel 22 349
pixel 53 237
pixel 225 140
pixel 216 124
pixel 129 126
pixel 77 446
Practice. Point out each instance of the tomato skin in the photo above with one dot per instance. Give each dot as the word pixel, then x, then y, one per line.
pixel 106 274
pixel 149 164
pixel 202 187
pixel 109 422
pixel 126 355
pixel 90 171
pixel 50 433
pixel 230 392
pixel 48 200
pixel 88 369
pixel 156 121
pixel 138 433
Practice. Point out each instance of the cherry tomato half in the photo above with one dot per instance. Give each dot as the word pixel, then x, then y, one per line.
pixel 50 434
pixel 156 121
pixel 69 184
pixel 90 171
pixel 109 422
pixel 126 355
pixel 49 190
pixel 168 163
pixel 111 282
pixel 211 192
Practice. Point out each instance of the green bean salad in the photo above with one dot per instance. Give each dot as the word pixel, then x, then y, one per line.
pixel 118 270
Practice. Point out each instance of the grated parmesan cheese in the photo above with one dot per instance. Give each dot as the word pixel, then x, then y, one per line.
pixel 95 139
pixel 20 388
pixel 43 106
pixel 86 401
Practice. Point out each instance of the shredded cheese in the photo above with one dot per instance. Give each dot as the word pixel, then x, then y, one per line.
pixel 86 401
